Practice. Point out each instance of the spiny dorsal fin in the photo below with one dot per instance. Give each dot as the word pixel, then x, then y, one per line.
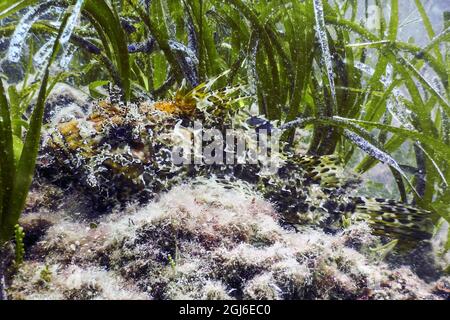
pixel 395 219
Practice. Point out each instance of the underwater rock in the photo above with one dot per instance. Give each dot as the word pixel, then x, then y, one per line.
pixel 74 283
pixel 207 240
pixel 442 287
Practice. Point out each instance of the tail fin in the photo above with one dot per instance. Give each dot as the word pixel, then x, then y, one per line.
pixel 395 219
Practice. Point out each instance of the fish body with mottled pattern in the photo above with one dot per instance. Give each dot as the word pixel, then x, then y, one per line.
pixel 115 155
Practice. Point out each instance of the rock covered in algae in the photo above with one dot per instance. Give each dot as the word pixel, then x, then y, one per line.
pixel 206 240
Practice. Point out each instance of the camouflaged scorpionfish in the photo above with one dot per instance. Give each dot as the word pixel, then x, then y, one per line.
pixel 118 153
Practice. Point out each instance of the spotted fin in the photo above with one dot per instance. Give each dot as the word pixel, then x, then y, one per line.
pixel 324 170
pixel 394 219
